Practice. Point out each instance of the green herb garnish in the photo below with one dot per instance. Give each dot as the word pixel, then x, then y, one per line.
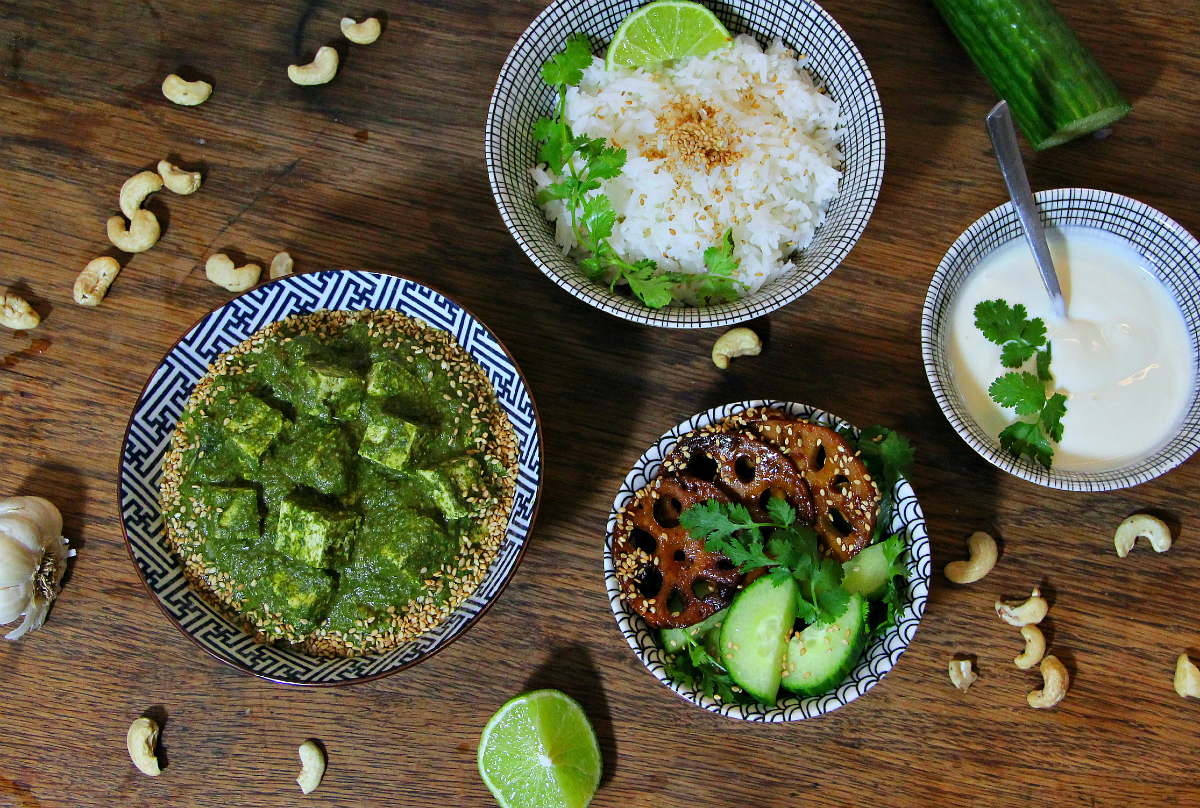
pixel 1022 339
pixel 583 162
pixel 708 675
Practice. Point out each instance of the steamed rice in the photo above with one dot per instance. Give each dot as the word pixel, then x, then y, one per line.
pixel 737 139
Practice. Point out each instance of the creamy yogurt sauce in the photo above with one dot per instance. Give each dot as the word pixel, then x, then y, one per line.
pixel 1123 357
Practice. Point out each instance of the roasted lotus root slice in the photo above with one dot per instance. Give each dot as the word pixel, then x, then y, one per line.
pixel 665 575
pixel 847 499
pixel 749 469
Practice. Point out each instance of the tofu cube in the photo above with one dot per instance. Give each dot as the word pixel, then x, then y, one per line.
pixel 295 592
pixel 451 484
pixel 389 378
pixel 319 457
pixel 253 424
pixel 232 512
pixel 387 439
pixel 314 534
pixel 331 390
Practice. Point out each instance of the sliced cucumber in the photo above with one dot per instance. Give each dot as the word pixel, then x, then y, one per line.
pixel 1030 56
pixel 754 637
pixel 819 657
pixel 867 573
pixel 675 640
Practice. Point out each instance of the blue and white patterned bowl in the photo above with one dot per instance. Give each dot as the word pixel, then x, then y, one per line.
pixel 521 97
pixel 1171 252
pixel 880 655
pixel 157 412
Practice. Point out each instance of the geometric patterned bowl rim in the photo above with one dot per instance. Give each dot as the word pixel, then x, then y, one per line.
pixel 141 520
pixel 1171 253
pixel 804 26
pixel 880 655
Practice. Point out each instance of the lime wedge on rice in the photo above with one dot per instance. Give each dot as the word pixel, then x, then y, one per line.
pixel 665 30
pixel 539 751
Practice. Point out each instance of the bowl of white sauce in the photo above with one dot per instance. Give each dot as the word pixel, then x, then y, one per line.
pixel 1124 361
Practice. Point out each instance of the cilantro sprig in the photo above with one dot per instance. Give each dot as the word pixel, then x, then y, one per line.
pixel 1022 339
pixel 708 674
pixel 583 163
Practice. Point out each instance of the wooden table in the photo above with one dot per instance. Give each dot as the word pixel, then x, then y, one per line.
pixel 383 170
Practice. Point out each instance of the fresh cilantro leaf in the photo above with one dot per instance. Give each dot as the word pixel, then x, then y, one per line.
pixel 557 190
pixel 1051 417
pixel 1043 364
pixel 566 68
pixel 1015 354
pixel 779 510
pixel 653 290
pixel 829 596
pixel 1001 324
pixel 713 521
pixel 1025 438
pixel 607 163
pixel 1021 391
pixel 888 456
pixel 893 601
pixel 598 217
pixel 719 257
pixel 592 267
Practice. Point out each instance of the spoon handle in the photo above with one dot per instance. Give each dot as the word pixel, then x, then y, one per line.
pixel 1008 154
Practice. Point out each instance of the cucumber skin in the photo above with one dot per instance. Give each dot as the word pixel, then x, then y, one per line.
pixel 1027 52
pixel 866 580
pixel 759 678
pixel 673 640
pixel 823 682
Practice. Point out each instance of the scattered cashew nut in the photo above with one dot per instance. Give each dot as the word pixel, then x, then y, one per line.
pixel 961 674
pixel 92 284
pixel 1142 526
pixel 320 70
pixel 361 33
pixel 982 549
pixel 177 180
pixel 735 342
pixel 136 189
pixel 1187 678
pixel 221 271
pixel 1035 648
pixel 1031 611
pixel 312 767
pixel 186 93
pixel 1055 681
pixel 16 314
pixel 141 738
pixel 142 234
pixel 281 265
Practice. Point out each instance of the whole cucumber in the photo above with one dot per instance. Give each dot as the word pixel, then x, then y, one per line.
pixel 1032 59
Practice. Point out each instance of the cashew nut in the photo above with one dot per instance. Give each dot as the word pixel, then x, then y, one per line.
pixel 735 342
pixel 1031 611
pixel 92 284
pixel 281 265
pixel 221 271
pixel 16 314
pixel 312 767
pixel 187 93
pixel 136 189
pixel 361 33
pixel 320 70
pixel 1054 684
pixel 141 739
pixel 1187 678
pixel 961 674
pixel 982 549
pixel 143 232
pixel 177 180
pixel 1035 647
pixel 1142 526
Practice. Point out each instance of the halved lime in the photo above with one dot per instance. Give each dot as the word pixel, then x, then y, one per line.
pixel 539 751
pixel 665 30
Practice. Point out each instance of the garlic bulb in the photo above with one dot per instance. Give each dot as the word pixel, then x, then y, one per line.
pixel 33 558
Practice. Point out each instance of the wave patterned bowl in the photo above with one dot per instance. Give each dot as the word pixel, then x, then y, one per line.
pixel 881 653
pixel 157 411
pixel 1171 253
pixel 521 97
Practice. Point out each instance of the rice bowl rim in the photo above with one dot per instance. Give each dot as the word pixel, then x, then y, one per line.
pixel 510 156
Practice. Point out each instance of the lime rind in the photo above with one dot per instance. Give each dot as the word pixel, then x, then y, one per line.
pixel 665 30
pixel 539 751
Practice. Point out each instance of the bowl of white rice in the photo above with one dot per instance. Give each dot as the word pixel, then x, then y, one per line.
pixel 776 141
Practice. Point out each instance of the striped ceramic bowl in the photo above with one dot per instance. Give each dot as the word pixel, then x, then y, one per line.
pixel 1170 252
pixel 521 97
pixel 882 651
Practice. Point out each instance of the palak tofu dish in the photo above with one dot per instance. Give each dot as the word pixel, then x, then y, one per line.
pixel 340 481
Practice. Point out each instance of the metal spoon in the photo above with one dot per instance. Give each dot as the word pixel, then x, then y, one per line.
pixel 1008 155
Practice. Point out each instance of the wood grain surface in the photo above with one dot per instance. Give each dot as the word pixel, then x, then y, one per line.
pixel 383 170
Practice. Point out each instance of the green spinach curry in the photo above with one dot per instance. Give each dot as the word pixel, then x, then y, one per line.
pixel 340 481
